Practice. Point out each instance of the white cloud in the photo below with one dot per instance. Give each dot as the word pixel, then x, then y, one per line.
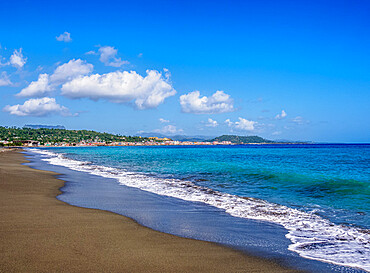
pixel 140 55
pixel 162 120
pixel 168 129
pixel 243 124
pixel 276 133
pixel 229 123
pixel 91 52
pixel 71 70
pixel 4 79
pixel 282 115
pixel 300 121
pixel 211 123
pixel 37 88
pixel 122 87
pixel 38 108
pixel 3 63
pixel 108 57
pixel 17 59
pixel 219 102
pixel 64 37
pixel 167 73
pixel 63 73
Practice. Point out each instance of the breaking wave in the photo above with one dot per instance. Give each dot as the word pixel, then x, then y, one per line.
pixel 312 236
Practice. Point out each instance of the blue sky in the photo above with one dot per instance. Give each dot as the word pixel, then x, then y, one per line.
pixel 279 69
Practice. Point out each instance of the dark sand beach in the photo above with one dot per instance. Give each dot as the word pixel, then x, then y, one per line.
pixel 39 233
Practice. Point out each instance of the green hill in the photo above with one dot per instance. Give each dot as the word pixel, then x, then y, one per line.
pixel 242 139
pixel 45 135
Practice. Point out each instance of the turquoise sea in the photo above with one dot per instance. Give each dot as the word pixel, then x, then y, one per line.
pixel 320 193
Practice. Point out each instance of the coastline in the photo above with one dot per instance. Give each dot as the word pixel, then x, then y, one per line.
pixel 41 233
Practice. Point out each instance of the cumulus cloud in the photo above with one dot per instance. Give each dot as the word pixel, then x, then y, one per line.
pixel 4 79
pixel 282 115
pixel 63 73
pixel 162 120
pixel 108 56
pixel 169 129
pixel 219 102
pixel 71 70
pixel 37 88
pixel 276 133
pixel 122 87
pixel 64 37
pixel 243 124
pixel 17 59
pixel 211 123
pixel 38 108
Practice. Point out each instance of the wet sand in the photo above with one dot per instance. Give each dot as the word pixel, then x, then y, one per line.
pixel 39 233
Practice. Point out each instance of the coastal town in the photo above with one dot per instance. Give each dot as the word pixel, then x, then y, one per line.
pixel 60 137
pixel 152 141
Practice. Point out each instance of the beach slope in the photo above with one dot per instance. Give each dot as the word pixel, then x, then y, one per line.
pixel 39 233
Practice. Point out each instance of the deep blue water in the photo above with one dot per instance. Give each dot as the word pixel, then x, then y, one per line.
pixel 330 182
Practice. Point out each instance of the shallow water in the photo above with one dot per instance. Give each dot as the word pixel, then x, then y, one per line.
pixel 318 193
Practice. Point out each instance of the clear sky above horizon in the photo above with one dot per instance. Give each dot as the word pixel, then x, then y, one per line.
pixel 296 70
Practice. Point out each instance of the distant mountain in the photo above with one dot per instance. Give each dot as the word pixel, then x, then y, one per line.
pixel 198 138
pixel 281 140
pixel 190 138
pixel 44 126
pixel 242 139
pixel 292 141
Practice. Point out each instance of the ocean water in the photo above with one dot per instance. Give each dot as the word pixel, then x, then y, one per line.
pixel 318 193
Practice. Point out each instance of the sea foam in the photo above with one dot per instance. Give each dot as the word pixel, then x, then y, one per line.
pixel 312 236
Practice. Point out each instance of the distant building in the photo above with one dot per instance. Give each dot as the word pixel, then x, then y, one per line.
pixel 29 143
pixel 160 139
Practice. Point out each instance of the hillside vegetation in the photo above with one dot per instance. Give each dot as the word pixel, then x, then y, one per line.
pixel 242 139
pixel 45 135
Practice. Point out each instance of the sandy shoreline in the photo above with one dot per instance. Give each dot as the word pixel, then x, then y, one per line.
pixel 39 233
